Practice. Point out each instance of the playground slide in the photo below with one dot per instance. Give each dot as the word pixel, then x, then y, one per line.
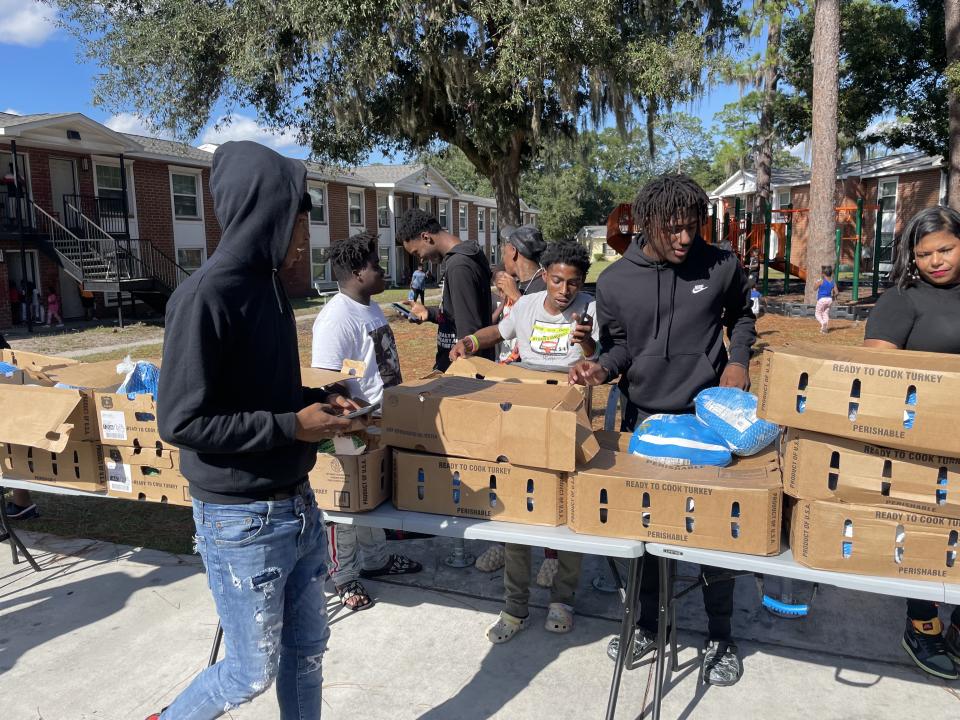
pixel 795 271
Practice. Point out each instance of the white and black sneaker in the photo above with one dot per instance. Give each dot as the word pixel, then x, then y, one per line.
pixel 19 512
pixel 644 643
pixel 721 665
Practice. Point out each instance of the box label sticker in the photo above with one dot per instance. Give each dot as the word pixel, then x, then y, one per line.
pixel 119 476
pixel 113 425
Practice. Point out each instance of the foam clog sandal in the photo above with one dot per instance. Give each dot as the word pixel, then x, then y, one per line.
pixel 505 628
pixel 559 618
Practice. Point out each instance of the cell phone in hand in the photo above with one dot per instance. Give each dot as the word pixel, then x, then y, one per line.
pixel 586 319
pixel 404 311
pixel 360 412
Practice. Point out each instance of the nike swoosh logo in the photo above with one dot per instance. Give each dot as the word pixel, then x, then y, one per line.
pixel 698 289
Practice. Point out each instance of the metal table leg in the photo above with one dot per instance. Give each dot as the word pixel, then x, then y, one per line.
pixel 8 534
pixel 459 558
pixel 626 634
pixel 667 568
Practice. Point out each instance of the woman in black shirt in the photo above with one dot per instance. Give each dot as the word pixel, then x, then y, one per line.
pixel 922 312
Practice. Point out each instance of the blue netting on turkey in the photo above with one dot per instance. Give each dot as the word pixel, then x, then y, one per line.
pixel 732 414
pixel 679 440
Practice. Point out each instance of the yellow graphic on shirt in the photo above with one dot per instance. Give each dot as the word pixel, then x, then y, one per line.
pixel 550 338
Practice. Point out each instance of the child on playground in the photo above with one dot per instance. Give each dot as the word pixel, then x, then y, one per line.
pixel 826 292
pixel 53 308
pixel 922 312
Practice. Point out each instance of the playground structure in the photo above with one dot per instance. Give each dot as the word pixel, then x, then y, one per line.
pixel 769 244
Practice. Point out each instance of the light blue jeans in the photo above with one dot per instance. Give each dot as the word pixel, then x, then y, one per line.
pixel 266 567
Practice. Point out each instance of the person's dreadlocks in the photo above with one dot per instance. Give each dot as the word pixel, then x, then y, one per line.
pixel 352 254
pixel 665 198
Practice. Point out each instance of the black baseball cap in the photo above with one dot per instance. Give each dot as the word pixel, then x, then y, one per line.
pixel 527 239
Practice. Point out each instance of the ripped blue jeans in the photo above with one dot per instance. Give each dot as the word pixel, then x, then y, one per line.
pixel 266 567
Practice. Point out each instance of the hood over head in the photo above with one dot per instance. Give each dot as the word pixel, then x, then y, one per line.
pixel 256 195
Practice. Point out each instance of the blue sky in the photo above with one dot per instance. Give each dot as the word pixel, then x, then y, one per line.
pixel 47 74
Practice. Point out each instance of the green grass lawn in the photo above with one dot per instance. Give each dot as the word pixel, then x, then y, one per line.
pixel 313 303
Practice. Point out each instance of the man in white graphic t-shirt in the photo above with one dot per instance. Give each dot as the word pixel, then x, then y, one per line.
pixel 554 329
pixel 353 327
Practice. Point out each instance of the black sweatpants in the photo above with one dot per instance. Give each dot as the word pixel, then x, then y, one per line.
pixel 921 610
pixel 717 599
pixel 717 596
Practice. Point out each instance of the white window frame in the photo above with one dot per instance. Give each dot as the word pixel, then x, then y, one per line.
pixel 383 203
pixel 425 203
pixel 328 279
pixel 203 255
pixel 388 268
pixel 892 211
pixel 350 192
pixel 443 213
pixel 322 187
pixel 481 220
pixel 463 216
pixel 131 192
pixel 493 222
pixel 198 176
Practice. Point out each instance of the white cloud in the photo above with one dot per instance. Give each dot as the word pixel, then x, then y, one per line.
pixel 26 22
pixel 132 123
pixel 11 111
pixel 240 127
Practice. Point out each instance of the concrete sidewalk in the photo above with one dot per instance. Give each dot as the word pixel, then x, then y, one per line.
pixel 108 632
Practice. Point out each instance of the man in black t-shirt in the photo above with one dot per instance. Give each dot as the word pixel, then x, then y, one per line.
pixel 465 304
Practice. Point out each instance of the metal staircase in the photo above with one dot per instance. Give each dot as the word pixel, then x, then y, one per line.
pixel 101 262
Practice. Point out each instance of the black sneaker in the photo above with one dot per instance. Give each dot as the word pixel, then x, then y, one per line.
pixel 721 665
pixel 929 652
pixel 644 643
pixel 18 512
pixel 952 641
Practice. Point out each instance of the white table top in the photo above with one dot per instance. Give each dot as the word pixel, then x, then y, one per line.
pixel 784 565
pixel 556 538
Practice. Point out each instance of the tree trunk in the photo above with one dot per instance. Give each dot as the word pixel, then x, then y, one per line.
pixel 823 169
pixel 771 71
pixel 951 12
pixel 505 179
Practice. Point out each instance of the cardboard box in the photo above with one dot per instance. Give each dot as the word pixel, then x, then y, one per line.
pixel 736 508
pixel 146 474
pixel 129 421
pixel 79 465
pixel 34 361
pixel 822 467
pixel 45 417
pixel 352 483
pixel 478 489
pixel 875 541
pixel 542 426
pixel 894 398
pixel 482 369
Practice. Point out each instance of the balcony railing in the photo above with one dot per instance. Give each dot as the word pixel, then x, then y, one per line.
pixel 106 212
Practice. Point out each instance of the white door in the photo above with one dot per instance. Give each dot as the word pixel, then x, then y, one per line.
pixel 63 181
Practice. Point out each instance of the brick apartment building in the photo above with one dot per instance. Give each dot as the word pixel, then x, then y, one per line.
pixel 906 182
pixel 130 216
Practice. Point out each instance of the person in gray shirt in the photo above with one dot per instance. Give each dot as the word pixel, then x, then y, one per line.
pixel 554 328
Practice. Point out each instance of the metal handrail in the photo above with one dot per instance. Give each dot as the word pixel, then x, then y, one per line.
pixel 61 238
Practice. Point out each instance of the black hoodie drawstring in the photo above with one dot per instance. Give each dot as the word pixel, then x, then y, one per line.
pixel 277 290
pixel 673 295
pixel 656 324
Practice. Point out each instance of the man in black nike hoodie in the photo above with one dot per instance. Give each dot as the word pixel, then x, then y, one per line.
pixel 466 304
pixel 662 310
pixel 230 397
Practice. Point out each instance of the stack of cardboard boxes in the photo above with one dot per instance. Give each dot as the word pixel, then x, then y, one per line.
pixel 504 443
pixel 871 454
pixel 468 445
pixel 65 424
pixel 48 434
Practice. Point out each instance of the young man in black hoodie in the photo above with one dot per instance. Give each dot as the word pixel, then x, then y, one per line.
pixel 662 311
pixel 466 303
pixel 230 397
